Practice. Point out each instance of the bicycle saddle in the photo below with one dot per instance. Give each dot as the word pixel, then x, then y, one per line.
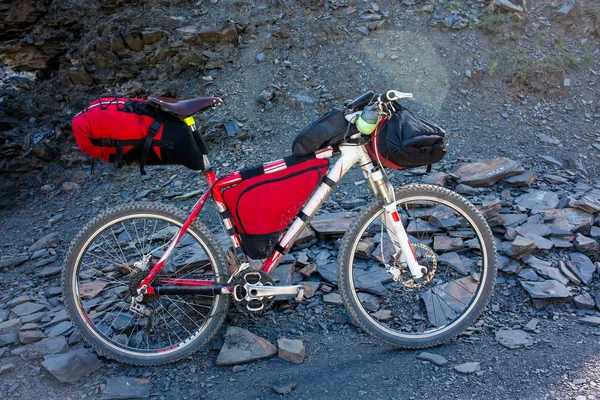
pixel 185 108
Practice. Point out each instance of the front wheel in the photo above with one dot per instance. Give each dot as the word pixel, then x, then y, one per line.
pixel 107 261
pixel 450 238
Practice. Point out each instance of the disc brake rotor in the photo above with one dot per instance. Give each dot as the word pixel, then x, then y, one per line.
pixel 425 256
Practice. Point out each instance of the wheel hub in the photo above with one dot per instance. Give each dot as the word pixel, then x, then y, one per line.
pixel 136 277
pixel 425 256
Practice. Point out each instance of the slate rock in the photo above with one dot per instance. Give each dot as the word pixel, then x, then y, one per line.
pixel 8 339
pixel 587 204
pixel 586 244
pixel 571 219
pixel 13 261
pixel 522 245
pixel 60 328
pixel 582 266
pixel 50 271
pixel 590 320
pixel 43 242
pixel 291 350
pixel 333 298
pixel 584 301
pixel 549 289
pixel 522 180
pixel 328 272
pixel 513 338
pixel 11 326
pixel 369 301
pixel 566 271
pixel 597 298
pixel 383 315
pixel 531 325
pixel 488 172
pixel 4 368
pixel 538 200
pixel 332 223
pixel 432 357
pixel 283 388
pixel 31 336
pixel 123 387
pixel 72 366
pixel 468 368
pixel 241 346
pixel 38 350
pixel 27 308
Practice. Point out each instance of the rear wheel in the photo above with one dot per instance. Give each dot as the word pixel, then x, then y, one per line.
pixel 109 258
pixel 450 238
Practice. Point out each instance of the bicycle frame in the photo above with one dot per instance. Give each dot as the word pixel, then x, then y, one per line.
pixel 350 155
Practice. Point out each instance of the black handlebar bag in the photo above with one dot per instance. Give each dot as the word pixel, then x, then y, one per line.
pixel 408 141
pixel 328 130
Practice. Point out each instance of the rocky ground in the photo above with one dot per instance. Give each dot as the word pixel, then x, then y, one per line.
pixel 516 84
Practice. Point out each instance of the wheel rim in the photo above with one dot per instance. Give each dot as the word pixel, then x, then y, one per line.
pixel 102 295
pixel 420 313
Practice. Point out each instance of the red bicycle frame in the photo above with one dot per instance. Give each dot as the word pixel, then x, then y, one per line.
pixel 215 189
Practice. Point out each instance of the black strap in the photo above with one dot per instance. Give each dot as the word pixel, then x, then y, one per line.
pixel 303 216
pixel 231 231
pixel 140 108
pixel 152 131
pixel 428 168
pixel 119 155
pixel 279 248
pixel 201 142
pixel 251 172
pixel 225 214
pixel 336 149
pixel 165 144
pixel 329 182
pixel 292 160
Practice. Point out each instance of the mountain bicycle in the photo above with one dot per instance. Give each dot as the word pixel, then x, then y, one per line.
pixel 146 284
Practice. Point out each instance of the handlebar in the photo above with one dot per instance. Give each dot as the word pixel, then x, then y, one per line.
pixel 360 101
pixel 364 99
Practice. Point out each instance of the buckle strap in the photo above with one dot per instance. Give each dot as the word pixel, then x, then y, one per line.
pixel 152 131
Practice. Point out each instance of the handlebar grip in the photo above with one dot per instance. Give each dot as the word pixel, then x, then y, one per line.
pixel 360 101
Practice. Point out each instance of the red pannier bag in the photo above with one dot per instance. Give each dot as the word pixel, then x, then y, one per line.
pixel 132 130
pixel 264 204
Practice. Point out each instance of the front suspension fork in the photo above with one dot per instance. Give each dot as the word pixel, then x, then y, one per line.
pixel 393 222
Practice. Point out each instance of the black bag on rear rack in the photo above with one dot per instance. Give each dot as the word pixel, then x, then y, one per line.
pixel 328 130
pixel 407 141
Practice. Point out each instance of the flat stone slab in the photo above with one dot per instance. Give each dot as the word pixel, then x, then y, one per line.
pixel 432 357
pixel 583 267
pixel 71 366
pixel 468 368
pixel 590 320
pixel 27 308
pixel 549 289
pixel 291 350
pixel 514 338
pixel 332 223
pixel 333 298
pixel 538 200
pixel 241 346
pixel 123 387
pixel 571 219
pixel 488 172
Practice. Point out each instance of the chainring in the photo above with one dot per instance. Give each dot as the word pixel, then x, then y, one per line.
pixel 253 306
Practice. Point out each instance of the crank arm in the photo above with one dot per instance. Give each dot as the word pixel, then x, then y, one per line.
pixel 259 291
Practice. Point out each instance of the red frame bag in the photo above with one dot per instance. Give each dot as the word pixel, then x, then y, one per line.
pixel 264 204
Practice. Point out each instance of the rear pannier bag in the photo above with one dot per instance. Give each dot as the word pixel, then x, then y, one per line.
pixel 263 205
pixel 131 130
pixel 328 130
pixel 407 141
